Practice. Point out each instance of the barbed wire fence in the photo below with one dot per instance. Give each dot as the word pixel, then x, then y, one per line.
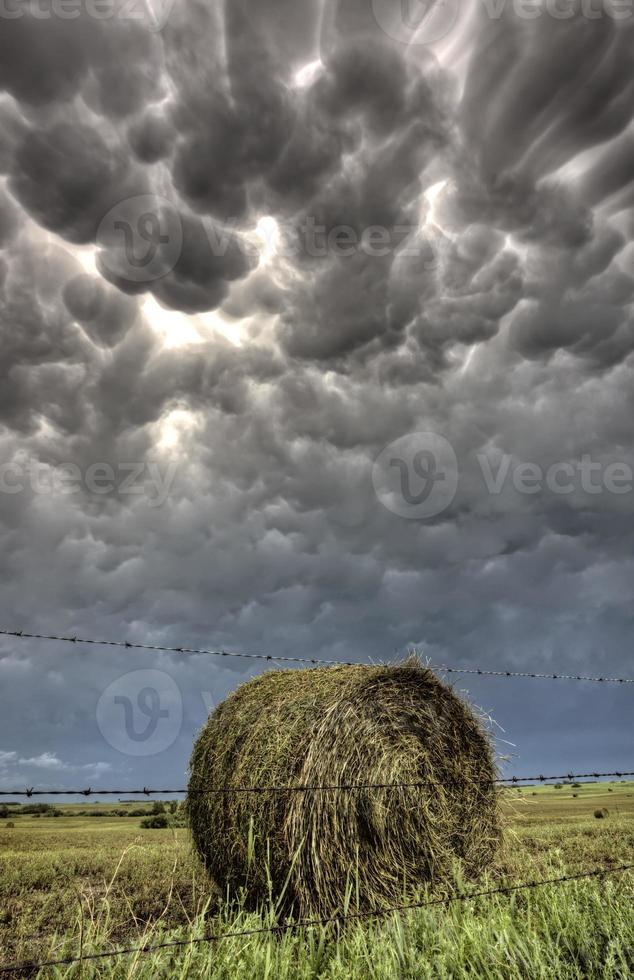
pixel 313 661
pixel 506 781
pixel 29 966
pixel 282 927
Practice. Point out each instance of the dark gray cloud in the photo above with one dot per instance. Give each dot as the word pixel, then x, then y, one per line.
pixel 195 384
pixel 67 178
pixel 112 62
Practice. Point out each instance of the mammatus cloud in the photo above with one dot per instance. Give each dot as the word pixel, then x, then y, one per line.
pixel 349 240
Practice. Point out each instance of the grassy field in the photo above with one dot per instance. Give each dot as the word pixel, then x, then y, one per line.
pixel 78 882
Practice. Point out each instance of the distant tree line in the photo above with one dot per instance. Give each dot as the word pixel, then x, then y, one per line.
pixel 163 815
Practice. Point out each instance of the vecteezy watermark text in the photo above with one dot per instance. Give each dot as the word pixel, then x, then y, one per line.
pixel 148 478
pixel 419 22
pixel 562 478
pixel 141 239
pixel 314 239
pixel 560 9
pixel 418 476
pixel 411 22
pixel 151 14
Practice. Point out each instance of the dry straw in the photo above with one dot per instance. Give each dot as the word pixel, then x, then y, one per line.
pixel 319 852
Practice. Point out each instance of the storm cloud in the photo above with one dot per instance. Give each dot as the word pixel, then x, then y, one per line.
pixel 243 251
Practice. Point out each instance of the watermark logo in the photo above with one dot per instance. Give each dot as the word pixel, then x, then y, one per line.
pixel 416 21
pixel 141 713
pixel 416 476
pixel 148 230
pixel 141 238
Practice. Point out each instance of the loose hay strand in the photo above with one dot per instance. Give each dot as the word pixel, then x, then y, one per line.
pixel 351 724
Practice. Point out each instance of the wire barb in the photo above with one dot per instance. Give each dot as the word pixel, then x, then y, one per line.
pixel 194 651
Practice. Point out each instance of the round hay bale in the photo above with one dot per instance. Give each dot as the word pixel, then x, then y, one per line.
pixel 338 726
pixel 600 813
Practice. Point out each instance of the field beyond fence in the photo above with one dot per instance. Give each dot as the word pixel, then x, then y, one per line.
pixel 74 885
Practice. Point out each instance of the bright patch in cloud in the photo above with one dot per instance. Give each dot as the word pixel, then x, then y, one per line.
pixel 432 195
pixel 215 322
pixel 307 74
pixel 267 232
pixel 175 428
pixel 176 329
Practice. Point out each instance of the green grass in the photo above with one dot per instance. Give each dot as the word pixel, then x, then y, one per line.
pixel 74 882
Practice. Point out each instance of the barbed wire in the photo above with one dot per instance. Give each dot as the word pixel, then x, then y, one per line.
pixel 313 661
pixel 29 965
pixel 506 781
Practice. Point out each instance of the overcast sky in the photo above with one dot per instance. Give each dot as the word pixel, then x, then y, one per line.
pixel 317 340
